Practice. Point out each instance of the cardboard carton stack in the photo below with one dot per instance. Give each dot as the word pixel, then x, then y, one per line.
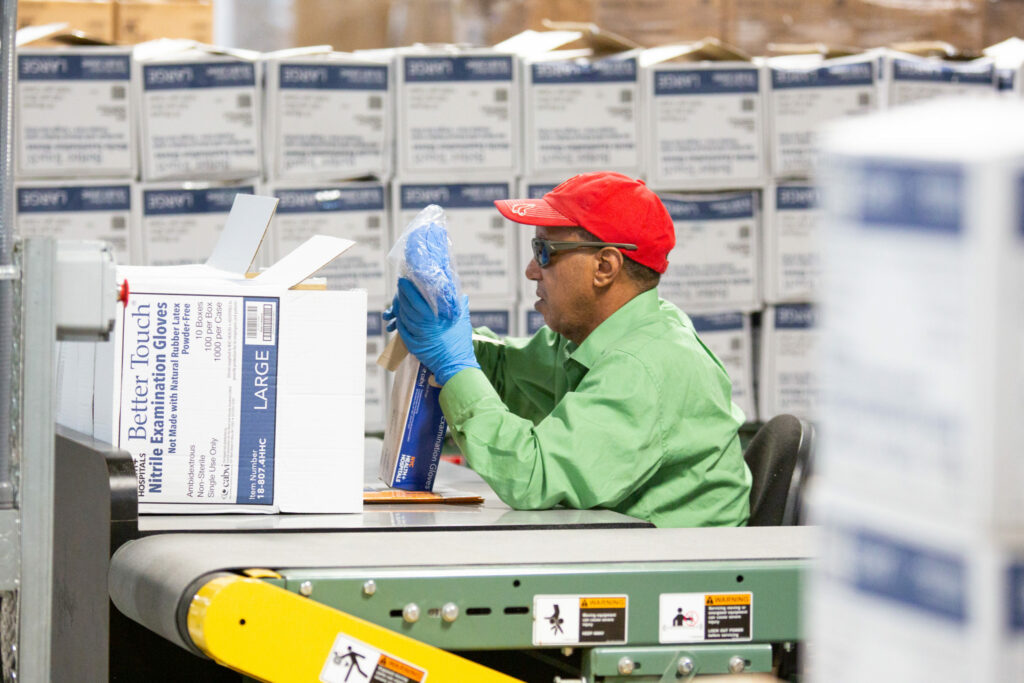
pixel 919 490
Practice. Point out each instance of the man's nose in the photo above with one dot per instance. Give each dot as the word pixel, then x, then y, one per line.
pixel 533 270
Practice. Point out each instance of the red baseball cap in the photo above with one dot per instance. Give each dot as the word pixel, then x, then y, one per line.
pixel 611 206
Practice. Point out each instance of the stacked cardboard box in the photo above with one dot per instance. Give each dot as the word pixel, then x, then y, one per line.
pixel 919 490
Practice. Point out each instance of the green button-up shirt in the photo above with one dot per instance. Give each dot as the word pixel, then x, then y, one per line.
pixel 638 418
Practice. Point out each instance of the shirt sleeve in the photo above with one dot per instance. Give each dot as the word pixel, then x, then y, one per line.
pixel 596 447
pixel 520 369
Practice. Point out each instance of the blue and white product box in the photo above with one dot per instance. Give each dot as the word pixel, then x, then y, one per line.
pixel 355 211
pixel 896 590
pixel 457 113
pixel 523 236
pixel 714 265
pixel 530 320
pixel 483 244
pixel 500 317
pixel 909 78
pixel 792 255
pixel 78 210
pixel 180 223
pixel 806 91
pixel 414 433
pixel 231 394
pixel 74 113
pixel 728 336
pixel 582 115
pixel 200 114
pixel 705 123
pixel 924 252
pixel 376 389
pixel 1009 62
pixel 328 117
pixel 790 380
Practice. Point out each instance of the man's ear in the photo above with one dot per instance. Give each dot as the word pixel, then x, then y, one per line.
pixel 608 266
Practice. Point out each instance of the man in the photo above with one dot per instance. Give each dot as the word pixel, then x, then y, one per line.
pixel 615 403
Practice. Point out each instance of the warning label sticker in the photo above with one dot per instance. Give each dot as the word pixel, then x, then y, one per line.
pixel 705 617
pixel 353 661
pixel 579 619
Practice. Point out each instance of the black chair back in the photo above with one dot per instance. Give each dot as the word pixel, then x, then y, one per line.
pixel 779 458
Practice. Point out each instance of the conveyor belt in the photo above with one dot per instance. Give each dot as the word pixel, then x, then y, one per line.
pixel 152 579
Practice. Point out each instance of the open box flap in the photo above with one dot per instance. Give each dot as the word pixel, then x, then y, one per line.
pixel 303 261
pixel 243 232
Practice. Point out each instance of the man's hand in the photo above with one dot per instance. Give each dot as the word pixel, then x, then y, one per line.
pixel 443 342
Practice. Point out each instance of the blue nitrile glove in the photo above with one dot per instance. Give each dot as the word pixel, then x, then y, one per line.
pixel 428 265
pixel 390 315
pixel 444 343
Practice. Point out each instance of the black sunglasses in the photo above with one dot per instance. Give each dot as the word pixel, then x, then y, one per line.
pixel 544 249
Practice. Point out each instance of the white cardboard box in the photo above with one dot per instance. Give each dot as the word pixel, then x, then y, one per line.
pixel 1009 62
pixel 925 257
pixel 792 254
pixel 328 117
pixel 457 113
pixel 79 210
pixel 200 112
pixel 909 78
pixel 376 387
pixel 790 358
pixel 179 223
pixel 913 597
pixel 715 263
pixel 231 394
pixel 355 211
pixel 705 121
pixel 497 315
pixel 805 92
pixel 728 336
pixel 75 113
pixel 483 242
pixel 582 115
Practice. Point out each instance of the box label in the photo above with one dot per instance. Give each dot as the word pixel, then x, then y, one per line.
pixel 919 80
pixel 707 125
pixel 498 322
pixel 457 112
pixel 90 212
pixel 579 619
pixel 182 226
pixel 349 656
pixel 801 100
pixel 714 262
pixel 582 116
pixel 74 115
pixel 200 120
pixel 198 397
pixel 331 121
pixel 705 617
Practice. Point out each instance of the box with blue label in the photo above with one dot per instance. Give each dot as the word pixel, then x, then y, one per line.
pixel 524 234
pixel 179 223
pixel 922 345
pixel 79 210
pixel 352 210
pixel 705 120
pixel 806 91
pixel 792 254
pixel 328 116
pixel 457 112
pixel 199 111
pixel 897 590
pixel 790 380
pixel 232 394
pixel 728 336
pixel 75 113
pixel 581 101
pixel 715 265
pixel 910 78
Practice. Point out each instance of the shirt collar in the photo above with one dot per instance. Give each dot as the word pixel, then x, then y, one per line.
pixel 617 325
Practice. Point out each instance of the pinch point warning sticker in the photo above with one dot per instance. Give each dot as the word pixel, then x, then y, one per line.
pixel 705 617
pixel 353 661
pixel 579 619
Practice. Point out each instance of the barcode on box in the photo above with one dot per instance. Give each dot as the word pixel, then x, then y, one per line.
pixel 260 322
